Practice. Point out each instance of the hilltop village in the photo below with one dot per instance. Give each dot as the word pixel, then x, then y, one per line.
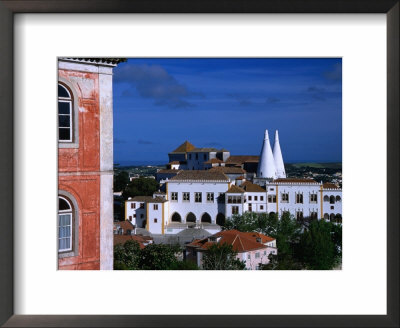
pixel 201 188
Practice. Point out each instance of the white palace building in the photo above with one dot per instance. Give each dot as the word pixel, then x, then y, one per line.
pixel 204 186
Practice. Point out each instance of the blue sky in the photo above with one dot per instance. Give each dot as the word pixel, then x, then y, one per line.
pixel 228 103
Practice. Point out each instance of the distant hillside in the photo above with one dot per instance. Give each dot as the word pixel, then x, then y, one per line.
pixel 337 166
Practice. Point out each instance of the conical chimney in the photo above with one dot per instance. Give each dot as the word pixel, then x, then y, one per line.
pixel 266 164
pixel 279 165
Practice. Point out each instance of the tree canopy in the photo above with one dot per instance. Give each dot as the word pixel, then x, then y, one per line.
pixel 221 257
pixel 306 244
pixel 129 256
pixel 140 187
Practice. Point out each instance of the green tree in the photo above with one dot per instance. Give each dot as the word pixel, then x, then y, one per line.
pixel 221 257
pixel 121 179
pixel 127 256
pixel 317 249
pixel 140 187
pixel 159 257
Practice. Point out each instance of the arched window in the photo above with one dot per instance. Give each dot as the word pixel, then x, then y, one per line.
pixel 206 218
pixel 220 219
pixel 332 217
pixel 326 216
pixel 65 119
pixel 332 200
pixel 326 198
pixel 176 217
pixel 65 221
pixel 190 217
pixel 338 218
pixel 338 199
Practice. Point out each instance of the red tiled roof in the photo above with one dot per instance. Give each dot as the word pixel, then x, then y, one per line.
pixel 122 239
pixel 329 185
pixel 228 170
pixel 213 161
pixel 200 175
pixel 251 187
pixel 185 147
pixel 233 189
pixel 240 241
pixel 240 159
pixel 126 225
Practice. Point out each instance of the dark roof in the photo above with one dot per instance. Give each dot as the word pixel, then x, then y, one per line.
pixel 240 159
pixel 204 150
pixel 147 199
pixel 185 147
pixel 200 175
pixel 228 170
pixel 251 187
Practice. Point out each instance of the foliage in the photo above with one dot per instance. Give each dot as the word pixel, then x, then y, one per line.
pixel 306 244
pixel 222 257
pixel 159 257
pixel 316 248
pixel 251 221
pixel 140 187
pixel 184 265
pixel 127 256
pixel 121 179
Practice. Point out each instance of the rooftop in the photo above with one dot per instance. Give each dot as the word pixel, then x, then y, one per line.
pixel 328 185
pixel 147 199
pixel 233 189
pixel 251 187
pixel 185 147
pixel 228 170
pixel 240 241
pixel 240 159
pixel 200 175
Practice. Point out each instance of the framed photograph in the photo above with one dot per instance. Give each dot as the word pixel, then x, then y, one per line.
pixel 176 114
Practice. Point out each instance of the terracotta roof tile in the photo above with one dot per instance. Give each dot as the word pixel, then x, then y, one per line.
pixel 228 170
pixel 126 225
pixel 200 175
pixel 251 187
pixel 233 189
pixel 147 199
pixel 213 161
pixel 329 185
pixel 240 241
pixel 122 239
pixel 184 148
pixel 240 159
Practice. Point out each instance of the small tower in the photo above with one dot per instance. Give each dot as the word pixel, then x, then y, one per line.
pixel 266 165
pixel 279 165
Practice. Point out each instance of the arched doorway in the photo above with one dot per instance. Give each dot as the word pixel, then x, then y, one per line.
pixel 206 218
pixel 332 217
pixel 326 216
pixel 176 217
pixel 220 219
pixel 191 217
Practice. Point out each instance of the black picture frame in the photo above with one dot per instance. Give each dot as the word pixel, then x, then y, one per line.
pixel 10 7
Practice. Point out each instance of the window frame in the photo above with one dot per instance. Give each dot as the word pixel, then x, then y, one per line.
pixel 74 143
pixel 74 251
pixel 68 212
